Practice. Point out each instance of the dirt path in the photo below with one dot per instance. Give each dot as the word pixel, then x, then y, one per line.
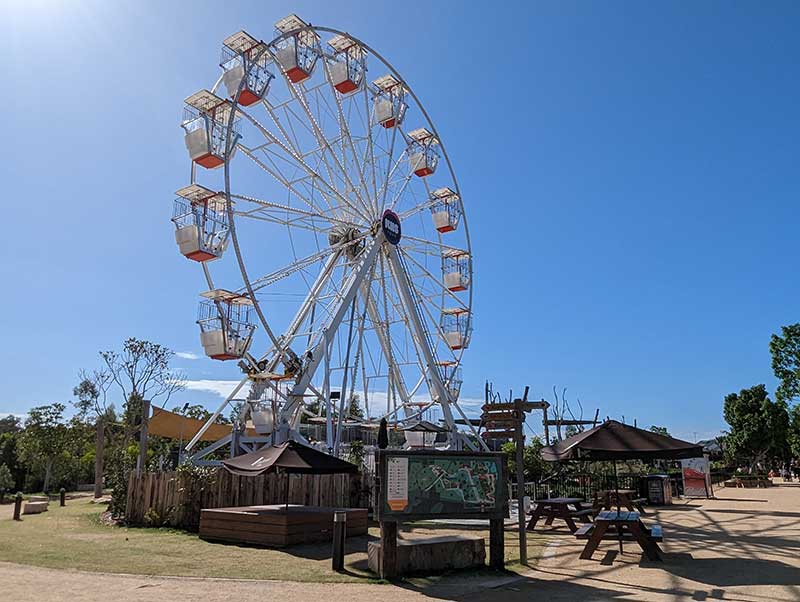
pixel 744 546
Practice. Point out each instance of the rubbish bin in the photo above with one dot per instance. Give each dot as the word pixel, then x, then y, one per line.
pixel 659 491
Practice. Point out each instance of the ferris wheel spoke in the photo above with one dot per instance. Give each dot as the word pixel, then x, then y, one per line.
pixel 415 210
pixel 435 243
pixel 299 213
pixel 301 163
pixel 299 93
pixel 290 269
pixel 399 193
pixel 390 168
pixel 369 150
pixel 344 127
pixel 289 185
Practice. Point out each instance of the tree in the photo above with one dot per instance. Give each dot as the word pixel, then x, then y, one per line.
pixel 90 394
pixel 355 453
pixel 142 372
pixel 794 431
pixel 10 424
pixel 45 439
pixel 355 411
pixel 785 351
pixel 659 430
pixel 195 411
pixel 6 481
pixel 759 427
pixel 534 466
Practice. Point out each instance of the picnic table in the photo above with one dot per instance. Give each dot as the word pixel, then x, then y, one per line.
pixel 607 500
pixel 564 508
pixel 624 526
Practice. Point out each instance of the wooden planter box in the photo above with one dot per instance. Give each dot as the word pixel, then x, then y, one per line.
pixel 275 526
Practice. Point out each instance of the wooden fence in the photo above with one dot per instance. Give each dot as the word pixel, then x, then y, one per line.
pixel 175 500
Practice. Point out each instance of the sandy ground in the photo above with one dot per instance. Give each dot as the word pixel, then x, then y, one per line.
pixel 743 546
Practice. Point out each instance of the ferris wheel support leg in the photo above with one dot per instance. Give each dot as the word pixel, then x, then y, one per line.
pixel 420 340
pixel 316 353
pixel 386 347
pixel 305 308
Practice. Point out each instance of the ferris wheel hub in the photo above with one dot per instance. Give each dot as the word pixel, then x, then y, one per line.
pixel 348 237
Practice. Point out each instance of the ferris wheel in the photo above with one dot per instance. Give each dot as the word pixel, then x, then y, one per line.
pixel 329 226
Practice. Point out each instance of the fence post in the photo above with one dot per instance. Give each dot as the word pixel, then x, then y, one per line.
pixel 17 505
pixel 339 532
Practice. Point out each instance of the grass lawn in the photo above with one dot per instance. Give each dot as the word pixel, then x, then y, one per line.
pixel 73 537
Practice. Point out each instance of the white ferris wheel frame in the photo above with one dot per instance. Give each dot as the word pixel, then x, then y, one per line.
pixel 356 283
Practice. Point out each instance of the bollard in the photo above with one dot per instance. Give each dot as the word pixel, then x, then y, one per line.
pixel 339 531
pixel 63 497
pixel 17 505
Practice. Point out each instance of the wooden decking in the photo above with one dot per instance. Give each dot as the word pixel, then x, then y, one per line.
pixel 275 526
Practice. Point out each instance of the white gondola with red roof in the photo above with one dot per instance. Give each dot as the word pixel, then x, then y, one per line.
pixel 245 58
pixel 205 122
pixel 201 223
pixel 445 209
pixel 423 153
pixel 347 67
pixel 389 101
pixel 297 53
pixel 226 328
pixel 457 269
pixel 452 376
pixel 456 326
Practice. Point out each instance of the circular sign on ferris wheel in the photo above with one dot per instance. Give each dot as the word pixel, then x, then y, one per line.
pixel 390 223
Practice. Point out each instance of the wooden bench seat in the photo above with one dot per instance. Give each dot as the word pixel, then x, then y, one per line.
pixel 584 531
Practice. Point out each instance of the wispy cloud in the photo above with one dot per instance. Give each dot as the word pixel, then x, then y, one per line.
pixel 187 355
pixel 222 388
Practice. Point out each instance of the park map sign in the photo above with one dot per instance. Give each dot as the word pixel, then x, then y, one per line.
pixel 416 485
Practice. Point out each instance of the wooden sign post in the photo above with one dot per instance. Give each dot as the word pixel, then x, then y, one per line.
pixel 519 445
pixel 505 421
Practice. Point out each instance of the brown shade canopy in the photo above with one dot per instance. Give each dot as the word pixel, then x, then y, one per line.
pixel 613 440
pixel 290 456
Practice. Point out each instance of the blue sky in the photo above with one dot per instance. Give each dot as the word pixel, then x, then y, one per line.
pixel 629 172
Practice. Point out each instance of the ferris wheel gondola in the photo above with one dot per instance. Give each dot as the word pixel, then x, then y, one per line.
pixel 346 283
